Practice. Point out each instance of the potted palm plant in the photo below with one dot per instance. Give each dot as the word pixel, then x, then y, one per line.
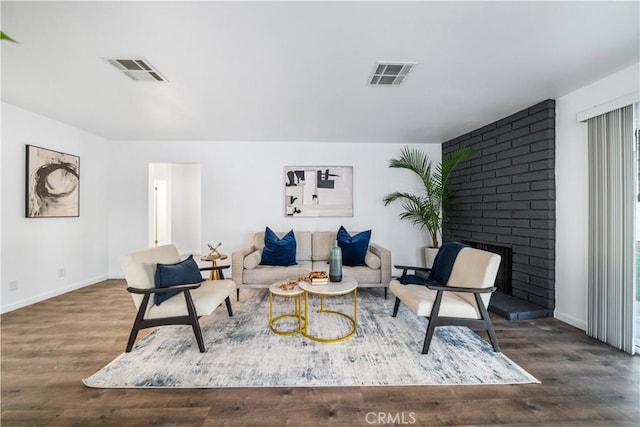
pixel 425 211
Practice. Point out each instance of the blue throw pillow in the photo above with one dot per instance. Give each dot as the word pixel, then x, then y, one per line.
pixel 183 273
pixel 354 248
pixel 278 251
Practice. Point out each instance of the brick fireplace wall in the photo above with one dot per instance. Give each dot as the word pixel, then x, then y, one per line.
pixel 505 195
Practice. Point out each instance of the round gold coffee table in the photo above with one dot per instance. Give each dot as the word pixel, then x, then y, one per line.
pixel 346 286
pixel 296 294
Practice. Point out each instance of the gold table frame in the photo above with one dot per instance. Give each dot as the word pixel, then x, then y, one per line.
pixel 296 294
pixel 347 286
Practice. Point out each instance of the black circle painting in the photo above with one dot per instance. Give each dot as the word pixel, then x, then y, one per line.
pixel 53 180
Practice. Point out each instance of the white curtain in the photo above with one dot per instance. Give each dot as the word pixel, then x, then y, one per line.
pixel 610 296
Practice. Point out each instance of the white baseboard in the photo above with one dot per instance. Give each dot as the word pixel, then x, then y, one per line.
pixel 47 295
pixel 570 320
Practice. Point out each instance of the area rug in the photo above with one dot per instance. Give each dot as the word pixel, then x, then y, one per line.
pixel 243 352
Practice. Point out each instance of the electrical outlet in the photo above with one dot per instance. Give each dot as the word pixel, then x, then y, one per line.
pixel 13 285
pixel 61 273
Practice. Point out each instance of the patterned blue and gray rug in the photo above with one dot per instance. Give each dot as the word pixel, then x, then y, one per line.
pixel 243 352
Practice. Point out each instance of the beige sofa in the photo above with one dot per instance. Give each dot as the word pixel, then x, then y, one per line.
pixel 312 253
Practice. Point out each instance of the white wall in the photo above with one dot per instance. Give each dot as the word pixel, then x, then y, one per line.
pixel 572 190
pixel 243 191
pixel 186 207
pixel 35 249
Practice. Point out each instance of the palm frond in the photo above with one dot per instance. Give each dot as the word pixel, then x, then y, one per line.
pixel 426 211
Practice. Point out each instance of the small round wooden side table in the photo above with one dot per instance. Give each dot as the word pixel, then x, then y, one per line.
pixel 215 274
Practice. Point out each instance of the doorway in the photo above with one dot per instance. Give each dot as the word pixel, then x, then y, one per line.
pixel 175 214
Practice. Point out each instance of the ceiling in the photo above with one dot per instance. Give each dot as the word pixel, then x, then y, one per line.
pixel 298 71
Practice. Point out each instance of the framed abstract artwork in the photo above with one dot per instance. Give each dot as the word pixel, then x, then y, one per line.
pixel 315 191
pixel 52 183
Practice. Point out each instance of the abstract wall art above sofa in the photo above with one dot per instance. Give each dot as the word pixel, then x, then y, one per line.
pixel 314 191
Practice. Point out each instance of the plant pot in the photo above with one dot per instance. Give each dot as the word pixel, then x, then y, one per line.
pixel 429 256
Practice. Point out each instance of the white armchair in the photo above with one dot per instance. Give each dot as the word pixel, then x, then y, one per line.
pixel 199 299
pixel 462 300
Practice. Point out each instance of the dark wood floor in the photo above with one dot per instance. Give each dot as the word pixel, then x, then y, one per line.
pixel 49 347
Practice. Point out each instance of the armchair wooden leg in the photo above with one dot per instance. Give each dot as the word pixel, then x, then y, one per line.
pixel 488 325
pixel 238 294
pixel 385 292
pixel 227 301
pixel 193 320
pixel 396 305
pixel 433 320
pixel 137 323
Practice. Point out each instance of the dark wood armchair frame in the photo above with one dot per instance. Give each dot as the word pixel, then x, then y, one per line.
pixel 190 319
pixel 436 320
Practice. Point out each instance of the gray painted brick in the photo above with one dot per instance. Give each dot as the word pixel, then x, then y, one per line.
pixel 512 170
pixel 513 206
pixel 542 164
pixel 533 157
pixel 513 117
pixel 549 224
pixel 546 104
pixel 545 144
pixel 496 165
pixel 514 240
pixel 544 124
pixel 531 232
pixel 497 131
pixel 532 118
pixel 497 197
pixel 496 148
pixel 491 158
pixel 492 182
pixel 534 214
pixel 547 205
pixel 533 137
pixel 513 152
pixel 543 243
pixel 513 188
pixel 522 223
pixel 484 221
pixel 498 231
pixel 533 176
pixel 514 134
pixel 484 129
pixel 497 214
pixel 543 185
pixel 533 195
pixel 483 237
pixel 484 191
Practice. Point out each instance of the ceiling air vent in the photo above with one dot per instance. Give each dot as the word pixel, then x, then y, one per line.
pixel 137 69
pixel 390 73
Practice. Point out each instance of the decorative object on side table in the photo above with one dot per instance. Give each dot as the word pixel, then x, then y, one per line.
pixel 426 211
pixel 214 251
pixel 213 257
pixel 335 263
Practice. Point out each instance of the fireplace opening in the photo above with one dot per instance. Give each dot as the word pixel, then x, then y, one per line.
pixel 503 278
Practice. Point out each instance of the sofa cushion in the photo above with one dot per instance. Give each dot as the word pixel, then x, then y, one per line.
pixel 303 243
pixel 205 299
pixel 278 251
pixel 182 273
pixel 372 260
pixel 321 243
pixel 252 260
pixel 354 248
